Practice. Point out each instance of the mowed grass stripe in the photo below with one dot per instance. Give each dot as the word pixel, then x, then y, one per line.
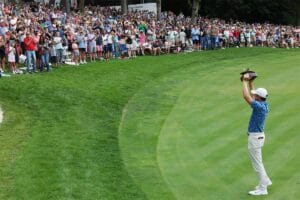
pixel 189 103
pixel 276 137
pixel 290 183
pixel 189 162
pixel 206 143
pixel 271 154
pixel 235 173
pixel 131 143
pixel 126 151
pixel 208 115
pixel 204 164
pixel 139 147
pixel 205 121
pixel 175 168
pixel 282 168
pixel 139 139
pixel 290 103
pixel 230 159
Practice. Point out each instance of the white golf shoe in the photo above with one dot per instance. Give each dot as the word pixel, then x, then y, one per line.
pixel 268 184
pixel 258 192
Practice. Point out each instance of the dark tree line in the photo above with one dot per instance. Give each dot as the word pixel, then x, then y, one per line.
pixel 274 11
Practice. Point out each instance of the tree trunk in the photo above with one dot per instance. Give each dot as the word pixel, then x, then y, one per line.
pixel 124 6
pixel 68 6
pixel 195 9
pixel 51 2
pixel 81 5
pixel 298 15
pixel 158 8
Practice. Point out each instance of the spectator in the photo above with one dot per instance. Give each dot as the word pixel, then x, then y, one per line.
pixel 103 32
pixel 92 45
pixel 182 37
pixel 53 54
pixel 134 46
pixel 12 58
pixel 82 47
pixel 58 42
pixel 99 44
pixel 142 41
pixel 30 47
pixel 129 46
pixel 196 37
pixel 45 52
pixel 75 53
pixel 157 45
pixel 2 55
pixel 123 49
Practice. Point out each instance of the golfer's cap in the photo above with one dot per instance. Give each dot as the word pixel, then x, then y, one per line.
pixel 262 92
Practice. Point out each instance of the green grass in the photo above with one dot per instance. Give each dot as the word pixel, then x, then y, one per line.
pixel 170 127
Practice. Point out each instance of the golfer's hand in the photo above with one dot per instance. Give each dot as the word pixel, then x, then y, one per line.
pixel 246 77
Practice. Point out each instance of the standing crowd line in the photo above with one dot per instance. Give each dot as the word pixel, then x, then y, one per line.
pixel 41 37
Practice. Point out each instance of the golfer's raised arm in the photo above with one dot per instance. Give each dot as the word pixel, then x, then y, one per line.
pixel 246 91
pixel 251 87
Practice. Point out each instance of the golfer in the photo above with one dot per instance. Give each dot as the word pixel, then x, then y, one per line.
pixel 256 136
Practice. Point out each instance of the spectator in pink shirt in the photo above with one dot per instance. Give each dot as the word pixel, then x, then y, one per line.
pixel 142 41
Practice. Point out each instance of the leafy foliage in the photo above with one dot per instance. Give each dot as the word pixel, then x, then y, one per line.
pixel 274 11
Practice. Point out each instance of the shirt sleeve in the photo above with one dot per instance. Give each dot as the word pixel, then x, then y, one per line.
pixel 255 105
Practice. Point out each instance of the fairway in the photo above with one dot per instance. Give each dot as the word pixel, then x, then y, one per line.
pixel 169 127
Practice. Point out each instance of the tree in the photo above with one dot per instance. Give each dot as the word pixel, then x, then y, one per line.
pixel 195 6
pixel 67 5
pixel 295 12
pixel 81 5
pixel 158 8
pixel 124 6
pixel 51 2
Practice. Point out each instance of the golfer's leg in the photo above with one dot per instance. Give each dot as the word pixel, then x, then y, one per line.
pixel 258 166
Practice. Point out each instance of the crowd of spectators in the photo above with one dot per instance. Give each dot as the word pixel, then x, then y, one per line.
pixel 41 36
